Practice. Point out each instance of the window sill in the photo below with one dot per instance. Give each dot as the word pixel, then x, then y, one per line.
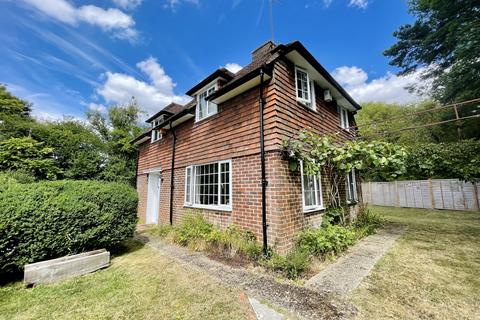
pixel 152 142
pixel 310 210
pixel 205 118
pixel 215 208
pixel 306 105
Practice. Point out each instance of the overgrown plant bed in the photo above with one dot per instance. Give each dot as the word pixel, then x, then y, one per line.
pixel 240 248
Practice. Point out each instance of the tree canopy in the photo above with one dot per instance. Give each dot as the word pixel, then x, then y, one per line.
pixel 444 41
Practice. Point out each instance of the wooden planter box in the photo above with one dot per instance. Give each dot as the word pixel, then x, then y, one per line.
pixel 54 270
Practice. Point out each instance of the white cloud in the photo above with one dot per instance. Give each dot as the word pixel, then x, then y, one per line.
pixel 127 4
pixel 110 19
pixel 97 107
pixel 389 88
pixel 362 4
pixel 173 4
pixel 233 67
pixel 327 3
pixel 152 96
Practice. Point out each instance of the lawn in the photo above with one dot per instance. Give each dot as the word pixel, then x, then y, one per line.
pixel 141 284
pixel 432 272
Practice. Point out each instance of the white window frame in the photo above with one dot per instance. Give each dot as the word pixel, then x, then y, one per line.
pixel 221 207
pixel 197 109
pixel 301 99
pixel 156 134
pixel 344 122
pixel 348 182
pixel 318 191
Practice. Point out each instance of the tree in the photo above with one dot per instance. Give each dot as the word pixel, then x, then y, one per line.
pixel 322 155
pixel 28 155
pixel 116 132
pixel 445 40
pixel 78 150
pixel 15 119
pixel 378 120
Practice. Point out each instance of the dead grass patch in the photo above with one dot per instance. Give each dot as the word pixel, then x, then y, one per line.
pixel 432 272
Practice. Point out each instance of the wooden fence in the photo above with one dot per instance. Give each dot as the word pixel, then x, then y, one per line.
pixel 449 194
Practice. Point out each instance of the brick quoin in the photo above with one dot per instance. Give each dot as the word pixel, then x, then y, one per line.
pixel 233 133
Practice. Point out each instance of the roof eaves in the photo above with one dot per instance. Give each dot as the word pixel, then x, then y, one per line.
pixel 297 46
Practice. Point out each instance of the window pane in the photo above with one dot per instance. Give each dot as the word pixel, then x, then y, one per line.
pixel 202 110
pixel 309 190
pixel 225 183
pixel 206 184
pixel 188 184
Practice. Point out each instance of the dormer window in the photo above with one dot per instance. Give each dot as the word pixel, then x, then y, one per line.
pixel 344 123
pixel 156 134
pixel 305 88
pixel 205 108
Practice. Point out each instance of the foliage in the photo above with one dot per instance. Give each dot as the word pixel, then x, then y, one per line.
pixel 334 215
pixel 444 39
pixel 367 222
pixel 15 117
pixel 116 132
pixel 49 219
pixel 330 239
pixel 322 154
pixel 445 160
pixel 78 151
pixel 196 233
pixel 29 155
pixel 291 265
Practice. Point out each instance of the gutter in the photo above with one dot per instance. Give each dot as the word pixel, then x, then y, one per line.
pixel 262 161
pixel 172 175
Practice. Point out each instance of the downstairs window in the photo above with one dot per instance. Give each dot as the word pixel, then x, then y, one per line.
pixel 209 186
pixel 311 191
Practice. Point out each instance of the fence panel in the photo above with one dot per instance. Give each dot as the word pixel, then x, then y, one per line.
pixel 450 194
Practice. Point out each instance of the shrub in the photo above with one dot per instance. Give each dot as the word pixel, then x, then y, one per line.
pixel 367 222
pixel 45 220
pixel 326 240
pixel 291 265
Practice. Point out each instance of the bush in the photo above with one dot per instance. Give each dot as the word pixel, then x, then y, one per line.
pixel 198 234
pixel 367 222
pixel 326 240
pixel 45 220
pixel 291 265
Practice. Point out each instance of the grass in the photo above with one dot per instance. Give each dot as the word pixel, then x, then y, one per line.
pixel 141 284
pixel 432 272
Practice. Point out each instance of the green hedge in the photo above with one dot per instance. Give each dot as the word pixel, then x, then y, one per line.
pixel 45 220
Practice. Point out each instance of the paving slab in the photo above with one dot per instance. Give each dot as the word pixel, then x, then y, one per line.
pixel 345 274
pixel 264 312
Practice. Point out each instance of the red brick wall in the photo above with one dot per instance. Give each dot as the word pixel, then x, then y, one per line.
pixel 233 133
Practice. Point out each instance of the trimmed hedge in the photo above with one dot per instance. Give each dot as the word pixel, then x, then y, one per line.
pixel 45 220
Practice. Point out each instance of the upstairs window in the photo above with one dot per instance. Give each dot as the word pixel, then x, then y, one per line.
pixel 205 108
pixel 209 186
pixel 305 89
pixel 351 187
pixel 156 134
pixel 344 123
pixel 311 191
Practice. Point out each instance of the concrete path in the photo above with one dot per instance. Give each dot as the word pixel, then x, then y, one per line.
pixel 345 274
pixel 300 302
pixel 263 312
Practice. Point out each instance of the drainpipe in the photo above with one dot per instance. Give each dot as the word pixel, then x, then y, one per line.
pixel 262 160
pixel 172 184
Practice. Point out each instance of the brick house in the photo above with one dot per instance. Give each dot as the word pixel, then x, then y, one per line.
pixel 213 150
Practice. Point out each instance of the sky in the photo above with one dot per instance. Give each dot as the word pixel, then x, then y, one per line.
pixel 68 57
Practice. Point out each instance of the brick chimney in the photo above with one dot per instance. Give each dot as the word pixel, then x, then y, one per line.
pixel 262 50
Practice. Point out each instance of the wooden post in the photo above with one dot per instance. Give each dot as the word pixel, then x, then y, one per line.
pixel 370 188
pixel 430 191
pixel 475 196
pixel 465 204
pixel 397 196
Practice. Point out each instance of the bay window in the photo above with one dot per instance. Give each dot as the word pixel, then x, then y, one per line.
pixel 209 186
pixel 205 108
pixel 311 191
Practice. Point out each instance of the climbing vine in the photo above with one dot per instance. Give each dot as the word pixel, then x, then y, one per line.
pixel 324 155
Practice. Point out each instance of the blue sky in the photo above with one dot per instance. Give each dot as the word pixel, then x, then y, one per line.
pixel 71 56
